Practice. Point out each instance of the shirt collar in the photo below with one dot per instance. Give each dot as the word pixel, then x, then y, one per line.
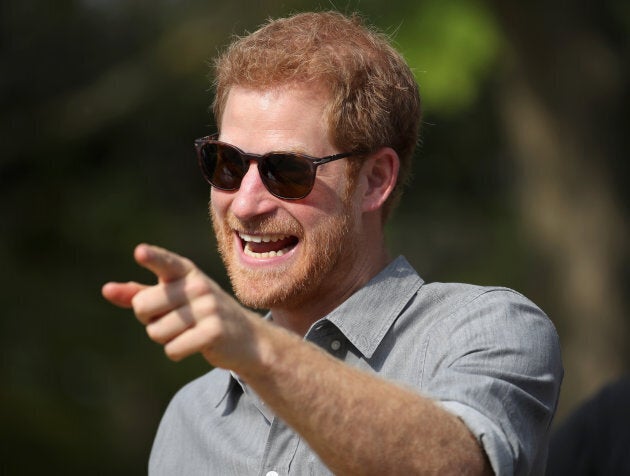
pixel 367 315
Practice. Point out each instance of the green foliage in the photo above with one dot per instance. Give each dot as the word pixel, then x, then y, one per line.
pixel 453 47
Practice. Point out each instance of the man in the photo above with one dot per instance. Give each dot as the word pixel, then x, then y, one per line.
pixel 359 367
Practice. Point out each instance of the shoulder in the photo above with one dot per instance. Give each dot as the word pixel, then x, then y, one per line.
pixel 460 295
pixel 493 358
pixel 470 310
pixel 453 317
pixel 182 443
pixel 194 402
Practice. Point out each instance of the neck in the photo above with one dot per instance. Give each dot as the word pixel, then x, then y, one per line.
pixel 300 317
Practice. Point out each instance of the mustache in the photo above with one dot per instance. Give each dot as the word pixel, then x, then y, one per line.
pixel 265 224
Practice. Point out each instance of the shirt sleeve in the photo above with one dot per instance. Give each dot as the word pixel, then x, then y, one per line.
pixel 495 363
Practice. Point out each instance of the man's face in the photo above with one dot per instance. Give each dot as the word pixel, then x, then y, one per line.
pixel 281 253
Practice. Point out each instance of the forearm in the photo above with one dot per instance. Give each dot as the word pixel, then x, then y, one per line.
pixel 356 422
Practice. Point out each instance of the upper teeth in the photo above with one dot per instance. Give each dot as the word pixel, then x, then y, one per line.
pixel 248 239
pixel 262 238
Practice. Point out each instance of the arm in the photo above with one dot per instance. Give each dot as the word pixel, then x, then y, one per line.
pixel 356 422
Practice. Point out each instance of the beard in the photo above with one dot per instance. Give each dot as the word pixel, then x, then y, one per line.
pixel 325 251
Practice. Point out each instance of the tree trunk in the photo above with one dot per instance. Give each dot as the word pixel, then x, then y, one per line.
pixel 559 103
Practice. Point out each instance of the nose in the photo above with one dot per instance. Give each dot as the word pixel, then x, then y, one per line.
pixel 252 198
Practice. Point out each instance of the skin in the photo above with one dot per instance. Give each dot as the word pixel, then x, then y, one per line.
pixel 319 396
pixel 293 285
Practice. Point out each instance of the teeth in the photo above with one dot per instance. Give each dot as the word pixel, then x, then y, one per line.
pixel 262 238
pixel 270 254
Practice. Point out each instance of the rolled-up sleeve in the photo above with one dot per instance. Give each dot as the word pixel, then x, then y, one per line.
pixel 500 374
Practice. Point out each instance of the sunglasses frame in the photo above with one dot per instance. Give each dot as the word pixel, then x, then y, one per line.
pixel 247 157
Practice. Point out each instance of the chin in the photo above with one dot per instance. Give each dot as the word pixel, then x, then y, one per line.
pixel 266 288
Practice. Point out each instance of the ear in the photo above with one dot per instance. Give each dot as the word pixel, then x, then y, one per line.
pixel 379 175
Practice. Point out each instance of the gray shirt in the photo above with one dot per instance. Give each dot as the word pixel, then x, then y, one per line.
pixel 488 355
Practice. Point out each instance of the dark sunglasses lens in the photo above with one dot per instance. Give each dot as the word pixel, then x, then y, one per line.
pixel 222 166
pixel 287 175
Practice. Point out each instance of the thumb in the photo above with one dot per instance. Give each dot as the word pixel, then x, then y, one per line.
pixel 121 294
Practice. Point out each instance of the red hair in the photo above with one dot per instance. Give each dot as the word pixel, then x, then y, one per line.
pixel 374 98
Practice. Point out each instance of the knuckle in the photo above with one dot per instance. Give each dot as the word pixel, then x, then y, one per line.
pixel 172 353
pixel 139 306
pixel 207 305
pixel 212 331
pixel 188 263
pixel 136 301
pixel 198 285
pixel 154 333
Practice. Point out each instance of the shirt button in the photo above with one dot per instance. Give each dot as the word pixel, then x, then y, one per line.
pixel 335 345
pixel 272 473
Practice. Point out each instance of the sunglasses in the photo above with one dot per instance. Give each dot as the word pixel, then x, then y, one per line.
pixel 286 175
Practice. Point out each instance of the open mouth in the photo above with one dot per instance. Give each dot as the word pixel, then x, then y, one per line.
pixel 267 246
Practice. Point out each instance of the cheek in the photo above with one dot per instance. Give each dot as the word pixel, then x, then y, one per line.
pixel 329 194
pixel 217 211
pixel 218 203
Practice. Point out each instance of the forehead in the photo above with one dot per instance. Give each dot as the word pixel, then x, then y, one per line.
pixel 283 118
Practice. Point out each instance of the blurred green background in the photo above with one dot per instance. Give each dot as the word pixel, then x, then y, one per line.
pixel 521 180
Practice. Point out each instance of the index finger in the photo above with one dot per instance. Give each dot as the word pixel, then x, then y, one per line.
pixel 165 264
